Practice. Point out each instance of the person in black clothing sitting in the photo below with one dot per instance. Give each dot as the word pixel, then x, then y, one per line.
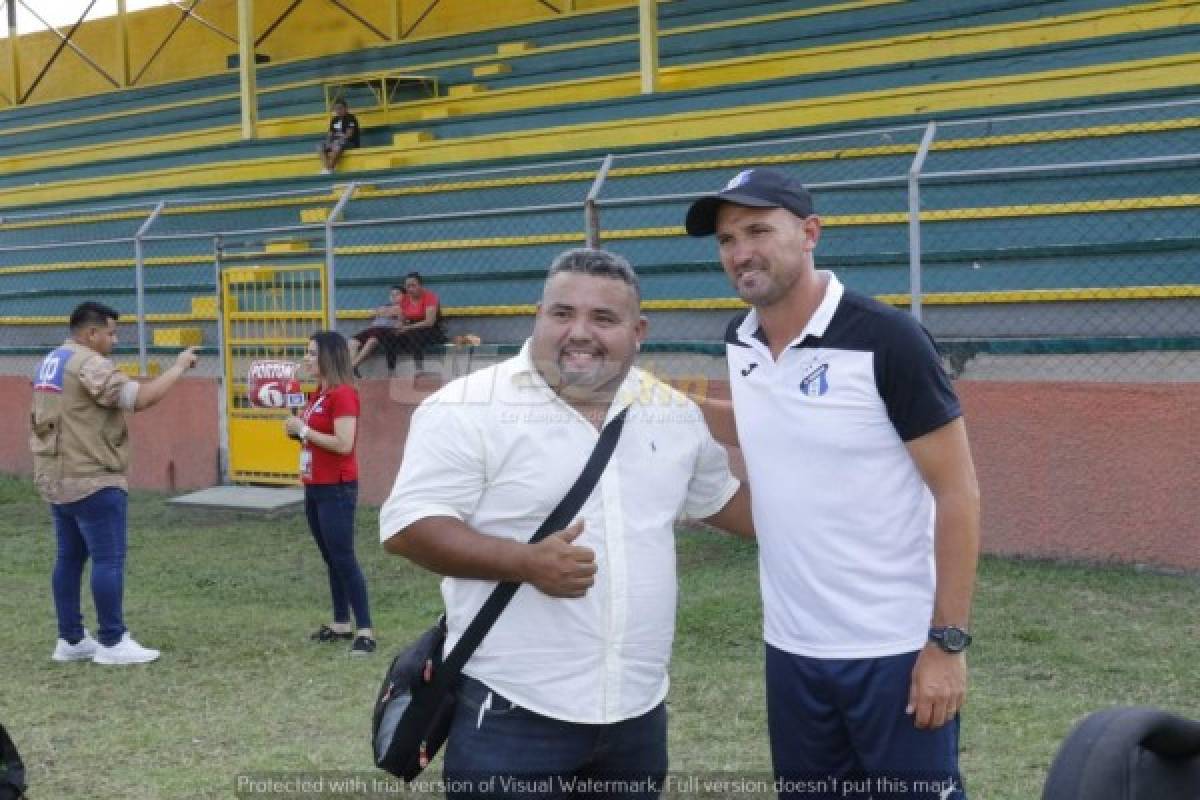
pixel 343 133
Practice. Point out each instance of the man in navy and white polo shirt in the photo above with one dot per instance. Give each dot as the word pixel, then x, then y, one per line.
pixel 865 503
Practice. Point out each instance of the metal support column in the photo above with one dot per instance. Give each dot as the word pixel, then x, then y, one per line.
pixel 396 19
pixel 648 35
pixel 247 68
pixel 139 281
pixel 331 262
pixel 14 56
pixel 123 72
pixel 914 220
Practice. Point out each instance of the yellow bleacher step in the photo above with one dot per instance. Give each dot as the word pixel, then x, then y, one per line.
pixel 409 138
pixel 250 275
pixel 178 337
pixel 491 70
pixel 314 214
pixel 466 90
pixel 207 306
pixel 440 112
pixel 130 368
pixel 287 246
pixel 513 48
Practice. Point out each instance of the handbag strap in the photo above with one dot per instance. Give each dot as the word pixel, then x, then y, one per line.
pixel 559 518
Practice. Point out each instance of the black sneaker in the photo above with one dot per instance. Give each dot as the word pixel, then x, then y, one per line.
pixel 357 374
pixel 363 646
pixel 328 634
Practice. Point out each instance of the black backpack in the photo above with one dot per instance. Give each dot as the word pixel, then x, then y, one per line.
pixel 12 769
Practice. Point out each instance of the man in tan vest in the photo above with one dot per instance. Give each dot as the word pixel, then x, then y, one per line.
pixel 81 454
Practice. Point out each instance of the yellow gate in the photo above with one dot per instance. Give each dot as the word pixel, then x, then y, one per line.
pixel 268 313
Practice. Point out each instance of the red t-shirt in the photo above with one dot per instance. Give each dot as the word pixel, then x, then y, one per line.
pixel 318 465
pixel 415 310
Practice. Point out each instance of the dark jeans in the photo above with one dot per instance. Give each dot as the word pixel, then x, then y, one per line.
pixel 330 511
pixel 838 730
pixel 92 526
pixel 396 343
pixel 414 343
pixel 507 752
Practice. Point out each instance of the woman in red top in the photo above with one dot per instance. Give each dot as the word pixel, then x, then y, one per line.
pixel 417 319
pixel 327 429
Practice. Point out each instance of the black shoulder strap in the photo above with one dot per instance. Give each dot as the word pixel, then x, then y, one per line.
pixel 12 770
pixel 559 518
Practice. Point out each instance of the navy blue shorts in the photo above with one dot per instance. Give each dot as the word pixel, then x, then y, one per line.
pixel 838 730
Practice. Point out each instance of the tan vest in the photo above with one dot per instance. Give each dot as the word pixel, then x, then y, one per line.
pixel 74 437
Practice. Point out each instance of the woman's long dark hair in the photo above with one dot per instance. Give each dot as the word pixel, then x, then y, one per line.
pixel 333 358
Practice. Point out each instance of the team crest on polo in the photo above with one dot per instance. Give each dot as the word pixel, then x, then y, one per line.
pixel 816 382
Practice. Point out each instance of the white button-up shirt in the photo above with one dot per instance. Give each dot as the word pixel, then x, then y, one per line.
pixel 498 449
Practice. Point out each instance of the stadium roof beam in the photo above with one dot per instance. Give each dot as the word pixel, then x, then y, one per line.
pixel 361 21
pixel 64 42
pixel 191 14
pixel 185 13
pixel 287 12
pixel 420 18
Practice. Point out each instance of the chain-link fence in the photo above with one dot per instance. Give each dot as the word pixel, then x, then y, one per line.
pixel 1056 246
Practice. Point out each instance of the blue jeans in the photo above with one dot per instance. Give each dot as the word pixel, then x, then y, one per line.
pixel 330 511
pixel 92 526
pixel 507 752
pixel 838 730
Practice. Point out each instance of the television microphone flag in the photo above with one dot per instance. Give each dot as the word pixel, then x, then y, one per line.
pixel 273 384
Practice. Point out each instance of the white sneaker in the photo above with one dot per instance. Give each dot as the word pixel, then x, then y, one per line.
pixel 82 650
pixel 126 651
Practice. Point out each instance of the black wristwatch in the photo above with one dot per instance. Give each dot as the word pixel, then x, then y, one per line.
pixel 950 638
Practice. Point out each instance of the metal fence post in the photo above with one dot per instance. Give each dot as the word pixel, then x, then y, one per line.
pixel 914 220
pixel 139 282
pixel 222 389
pixel 591 214
pixel 330 261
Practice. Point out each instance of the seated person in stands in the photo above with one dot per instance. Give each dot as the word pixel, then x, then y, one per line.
pixel 410 324
pixel 343 133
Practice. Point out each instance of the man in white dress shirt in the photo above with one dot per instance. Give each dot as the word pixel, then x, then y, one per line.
pixel 566 692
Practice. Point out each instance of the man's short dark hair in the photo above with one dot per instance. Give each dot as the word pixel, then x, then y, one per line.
pixel 91 313
pixel 339 101
pixel 602 263
pixel 414 276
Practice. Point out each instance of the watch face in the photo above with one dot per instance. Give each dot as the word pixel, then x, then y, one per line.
pixel 954 639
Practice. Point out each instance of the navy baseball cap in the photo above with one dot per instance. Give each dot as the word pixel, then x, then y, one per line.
pixel 757 188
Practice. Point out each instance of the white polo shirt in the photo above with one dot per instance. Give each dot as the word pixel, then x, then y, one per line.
pixel 843 517
pixel 498 449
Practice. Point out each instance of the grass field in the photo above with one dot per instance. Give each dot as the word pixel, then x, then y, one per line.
pixel 241 692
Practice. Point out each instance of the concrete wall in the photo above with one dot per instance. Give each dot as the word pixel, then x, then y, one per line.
pixel 1088 471
pixel 1098 472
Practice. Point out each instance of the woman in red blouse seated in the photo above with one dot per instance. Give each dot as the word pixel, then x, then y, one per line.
pixel 409 325
pixel 327 428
